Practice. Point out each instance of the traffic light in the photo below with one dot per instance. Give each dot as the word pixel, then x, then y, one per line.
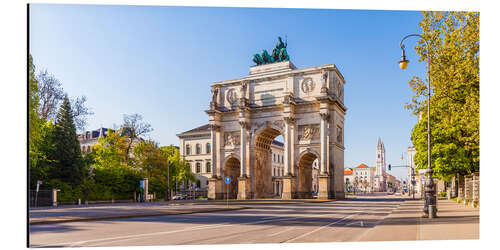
pixel 389 167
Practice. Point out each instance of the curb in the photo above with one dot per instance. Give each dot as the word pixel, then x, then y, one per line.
pixel 55 221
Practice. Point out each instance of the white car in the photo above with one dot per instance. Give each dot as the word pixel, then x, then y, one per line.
pixel 178 197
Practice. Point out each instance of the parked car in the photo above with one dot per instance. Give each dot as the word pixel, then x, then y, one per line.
pixel 178 197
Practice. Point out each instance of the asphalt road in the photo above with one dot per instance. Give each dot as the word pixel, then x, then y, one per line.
pixel 347 220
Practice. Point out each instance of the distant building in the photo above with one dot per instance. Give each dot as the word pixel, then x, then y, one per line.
pixel 379 184
pixel 348 177
pixel 411 170
pixel 89 138
pixel 393 184
pixel 194 147
pixel 363 178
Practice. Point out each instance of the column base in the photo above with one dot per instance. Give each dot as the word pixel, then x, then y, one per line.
pixel 244 188
pixel 215 188
pixel 324 191
pixel 288 187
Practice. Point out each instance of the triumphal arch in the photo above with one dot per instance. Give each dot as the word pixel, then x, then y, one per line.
pixel 305 106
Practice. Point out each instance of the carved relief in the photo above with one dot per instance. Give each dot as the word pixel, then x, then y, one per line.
pixel 279 124
pixel 213 103
pixel 324 87
pixel 232 96
pixel 307 85
pixel 308 132
pixel 231 139
pixel 339 134
pixel 339 90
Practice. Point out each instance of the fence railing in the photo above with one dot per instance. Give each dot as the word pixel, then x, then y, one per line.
pixel 466 189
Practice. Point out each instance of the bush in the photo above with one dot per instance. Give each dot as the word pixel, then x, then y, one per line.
pixel 442 194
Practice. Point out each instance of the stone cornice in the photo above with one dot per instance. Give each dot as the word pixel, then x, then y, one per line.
pixel 278 75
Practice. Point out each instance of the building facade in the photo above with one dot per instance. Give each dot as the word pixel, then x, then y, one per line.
pixel 195 148
pixel 89 138
pixel 305 106
pixel 363 178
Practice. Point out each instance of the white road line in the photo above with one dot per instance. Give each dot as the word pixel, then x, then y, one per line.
pixel 134 236
pixel 317 229
pixel 280 232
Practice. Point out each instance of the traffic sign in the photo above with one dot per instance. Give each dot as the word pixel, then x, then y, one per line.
pixel 228 180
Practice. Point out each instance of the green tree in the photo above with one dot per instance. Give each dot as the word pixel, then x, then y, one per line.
pixel 180 170
pixel 112 177
pixel 454 69
pixel 68 162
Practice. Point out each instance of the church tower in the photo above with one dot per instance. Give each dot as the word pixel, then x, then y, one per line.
pixel 380 168
pixel 380 158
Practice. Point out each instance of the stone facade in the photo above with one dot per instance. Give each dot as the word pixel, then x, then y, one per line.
pixel 194 147
pixel 305 106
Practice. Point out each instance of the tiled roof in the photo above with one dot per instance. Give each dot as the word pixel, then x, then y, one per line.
pixel 278 143
pixel 347 172
pixel 362 166
pixel 202 128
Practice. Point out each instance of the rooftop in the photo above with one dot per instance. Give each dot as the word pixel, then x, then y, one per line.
pixel 362 165
pixel 203 128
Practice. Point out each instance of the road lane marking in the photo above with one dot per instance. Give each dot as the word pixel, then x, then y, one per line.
pixel 317 229
pixel 134 236
pixel 280 232
pixel 355 222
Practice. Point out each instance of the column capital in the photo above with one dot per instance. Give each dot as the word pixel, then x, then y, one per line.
pixel 288 98
pixel 214 127
pixel 325 116
pixel 244 125
pixel 289 120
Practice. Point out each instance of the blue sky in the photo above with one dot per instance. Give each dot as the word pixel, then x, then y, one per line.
pixel 159 61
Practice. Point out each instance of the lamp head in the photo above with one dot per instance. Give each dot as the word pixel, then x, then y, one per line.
pixel 403 63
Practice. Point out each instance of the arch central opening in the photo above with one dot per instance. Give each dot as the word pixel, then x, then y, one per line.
pixel 308 176
pixel 232 169
pixel 268 165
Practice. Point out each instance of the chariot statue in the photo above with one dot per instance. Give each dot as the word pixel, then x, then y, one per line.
pixel 279 54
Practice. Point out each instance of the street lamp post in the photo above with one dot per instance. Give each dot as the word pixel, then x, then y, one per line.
pixel 430 198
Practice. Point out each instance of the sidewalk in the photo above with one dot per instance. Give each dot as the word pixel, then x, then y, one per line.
pixel 51 215
pixel 455 222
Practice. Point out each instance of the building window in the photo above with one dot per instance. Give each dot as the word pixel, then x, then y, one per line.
pixel 274 157
pixel 198 167
pixel 188 149
pixel 208 148
pixel 198 149
pixel 208 168
pixel 198 184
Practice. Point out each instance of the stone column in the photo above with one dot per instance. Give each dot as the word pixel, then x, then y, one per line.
pixel 213 148
pixel 288 179
pixel 460 188
pixel 286 161
pixel 215 182
pixel 324 143
pixel 244 185
pixel 475 189
pixel 324 180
